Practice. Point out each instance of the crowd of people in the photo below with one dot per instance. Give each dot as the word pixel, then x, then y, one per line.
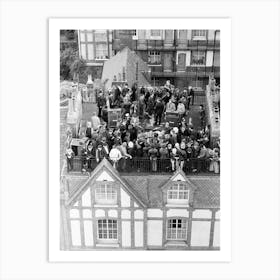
pixel 143 136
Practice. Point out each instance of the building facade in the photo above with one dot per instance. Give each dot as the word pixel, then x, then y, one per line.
pixel 185 57
pixel 108 210
pixel 95 47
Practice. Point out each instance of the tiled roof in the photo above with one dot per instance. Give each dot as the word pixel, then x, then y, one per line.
pixel 75 183
pixel 207 194
pixel 148 188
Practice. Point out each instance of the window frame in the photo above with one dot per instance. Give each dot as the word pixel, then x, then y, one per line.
pixel 156 37
pixel 192 54
pixel 178 193
pixel 107 230
pixel 154 56
pixel 199 36
pixel 183 232
pixel 101 57
pixel 105 201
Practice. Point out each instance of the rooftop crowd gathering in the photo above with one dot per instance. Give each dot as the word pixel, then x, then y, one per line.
pixel 143 136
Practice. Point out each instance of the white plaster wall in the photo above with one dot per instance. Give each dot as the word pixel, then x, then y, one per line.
pixel 125 199
pixel 154 213
pixel 76 233
pixel 99 213
pixel 179 177
pixel 126 234
pixel 217 216
pixel 216 240
pixel 104 176
pixel 177 212
pixel 88 233
pixel 139 214
pixel 135 204
pixel 209 58
pixel 86 198
pixel 154 233
pixel 206 214
pixel 139 238
pixel 126 214
pixel 74 213
pixel 87 213
pixel 113 213
pixel 200 233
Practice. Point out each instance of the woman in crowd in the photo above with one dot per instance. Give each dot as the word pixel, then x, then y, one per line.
pixel 167 148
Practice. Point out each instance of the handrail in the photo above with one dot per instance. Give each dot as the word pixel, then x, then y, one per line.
pixel 147 165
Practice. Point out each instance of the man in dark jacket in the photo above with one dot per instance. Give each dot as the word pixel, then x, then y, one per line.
pixel 191 94
pixel 159 107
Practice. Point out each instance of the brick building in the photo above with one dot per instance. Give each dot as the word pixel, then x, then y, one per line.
pixel 186 57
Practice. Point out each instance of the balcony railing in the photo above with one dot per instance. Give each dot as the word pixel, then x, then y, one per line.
pixel 147 165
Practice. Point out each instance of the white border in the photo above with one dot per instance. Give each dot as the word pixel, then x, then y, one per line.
pixel 55 254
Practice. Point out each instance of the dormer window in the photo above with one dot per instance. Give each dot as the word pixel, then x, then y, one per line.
pixel 178 193
pixel 105 193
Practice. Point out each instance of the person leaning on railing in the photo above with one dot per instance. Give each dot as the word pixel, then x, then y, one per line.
pixel 115 155
pixel 69 156
pixel 153 154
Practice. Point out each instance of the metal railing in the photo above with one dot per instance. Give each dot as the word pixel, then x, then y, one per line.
pixel 146 165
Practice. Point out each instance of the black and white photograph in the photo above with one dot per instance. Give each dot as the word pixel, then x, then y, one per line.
pixel 140 139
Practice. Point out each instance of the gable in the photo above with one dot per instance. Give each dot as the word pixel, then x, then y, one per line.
pixel 104 176
pixel 105 173
pixel 179 177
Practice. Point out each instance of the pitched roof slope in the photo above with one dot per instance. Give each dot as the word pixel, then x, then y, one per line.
pixel 107 166
pixel 124 59
pixel 147 190
pixel 207 193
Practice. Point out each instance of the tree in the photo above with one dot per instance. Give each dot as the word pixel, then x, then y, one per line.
pixel 76 67
pixel 67 57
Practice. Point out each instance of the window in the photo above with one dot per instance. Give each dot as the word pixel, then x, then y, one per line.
pixel 90 53
pixel 100 35
pixel 182 34
pixel 155 32
pixel 107 229
pixel 154 57
pixel 178 192
pixel 101 51
pixel 83 51
pixel 106 194
pixel 198 58
pixel 199 34
pixel 177 229
pixel 82 37
pixel 90 36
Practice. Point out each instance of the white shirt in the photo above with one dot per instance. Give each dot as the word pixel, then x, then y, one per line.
pixel 95 122
pixel 115 154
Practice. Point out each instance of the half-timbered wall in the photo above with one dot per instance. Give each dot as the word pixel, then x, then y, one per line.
pixel 137 227
pixel 84 213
